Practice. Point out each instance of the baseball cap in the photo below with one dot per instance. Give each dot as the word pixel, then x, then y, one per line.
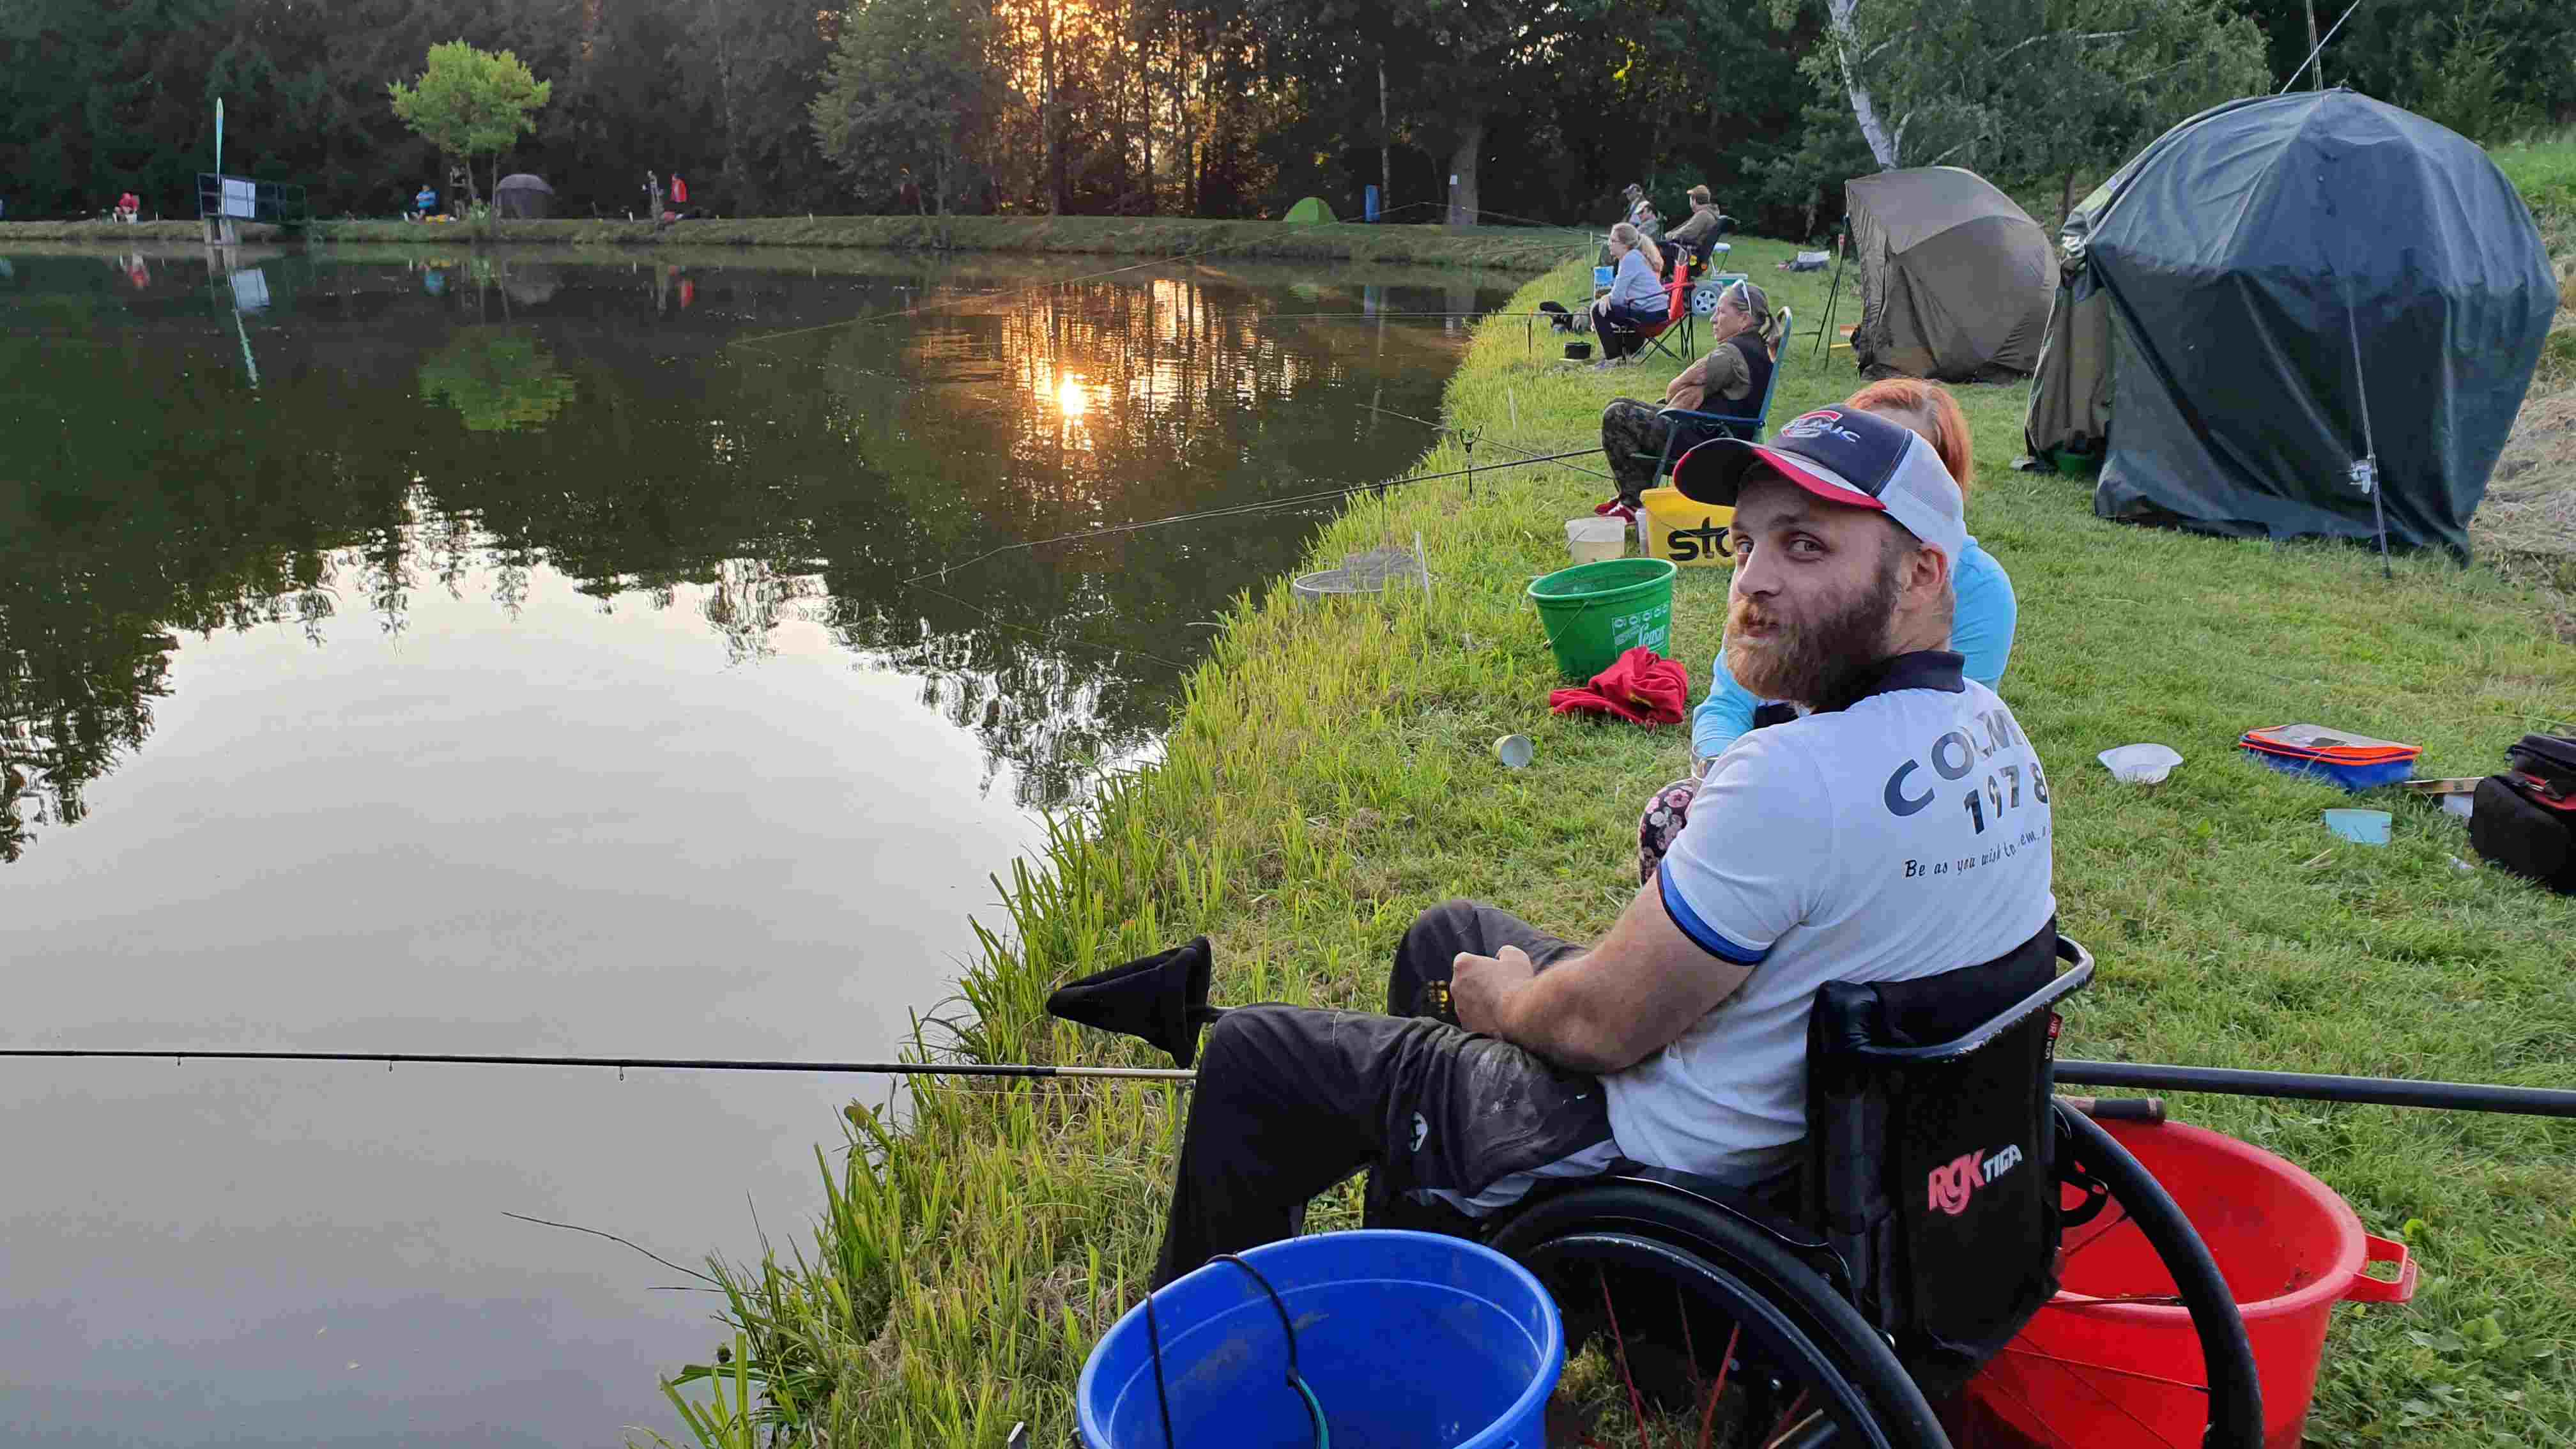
pixel 1846 456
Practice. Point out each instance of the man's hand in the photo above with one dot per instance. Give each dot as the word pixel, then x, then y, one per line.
pixel 1606 1009
pixel 1480 987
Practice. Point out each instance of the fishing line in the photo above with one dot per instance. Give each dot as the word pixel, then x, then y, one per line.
pixel 1497 442
pixel 702 1064
pixel 1482 213
pixel 1303 316
pixel 1233 510
pixel 999 622
pixel 2314 54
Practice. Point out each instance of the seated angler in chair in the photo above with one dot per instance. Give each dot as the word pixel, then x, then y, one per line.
pixel 1898 831
pixel 1730 379
pixel 1704 225
pixel 1635 300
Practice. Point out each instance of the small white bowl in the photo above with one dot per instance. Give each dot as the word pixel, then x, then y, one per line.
pixel 2140 764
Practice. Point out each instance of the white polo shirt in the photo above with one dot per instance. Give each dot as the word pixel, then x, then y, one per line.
pixel 1905 836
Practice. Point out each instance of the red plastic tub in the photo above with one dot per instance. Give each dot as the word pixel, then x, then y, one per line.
pixel 2099 1373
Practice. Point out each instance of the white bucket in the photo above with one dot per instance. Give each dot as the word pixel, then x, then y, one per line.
pixel 1592 540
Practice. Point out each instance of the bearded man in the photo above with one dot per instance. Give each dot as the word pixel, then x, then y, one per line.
pixel 1898 830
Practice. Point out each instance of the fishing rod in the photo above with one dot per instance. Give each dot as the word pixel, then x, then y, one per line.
pixel 695 1064
pixel 2316 1087
pixel 2222 1081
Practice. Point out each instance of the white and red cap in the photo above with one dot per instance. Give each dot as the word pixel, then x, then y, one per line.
pixel 1845 456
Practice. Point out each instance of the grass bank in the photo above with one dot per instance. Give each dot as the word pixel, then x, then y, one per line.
pixel 109 232
pixel 1522 248
pixel 1330 775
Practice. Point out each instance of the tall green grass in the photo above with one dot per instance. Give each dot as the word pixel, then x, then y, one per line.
pixel 1330 774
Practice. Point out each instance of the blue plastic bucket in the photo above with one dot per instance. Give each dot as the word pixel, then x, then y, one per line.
pixel 1407 1340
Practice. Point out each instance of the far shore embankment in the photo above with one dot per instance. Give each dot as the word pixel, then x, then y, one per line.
pixel 1525 249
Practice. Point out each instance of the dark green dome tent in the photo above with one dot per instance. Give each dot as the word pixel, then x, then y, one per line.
pixel 2218 289
pixel 1309 212
pixel 522 197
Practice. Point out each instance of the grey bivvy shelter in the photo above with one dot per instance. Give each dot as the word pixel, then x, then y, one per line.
pixel 1954 278
pixel 2275 291
pixel 522 197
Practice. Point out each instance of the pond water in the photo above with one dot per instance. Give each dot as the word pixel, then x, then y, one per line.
pixel 438 652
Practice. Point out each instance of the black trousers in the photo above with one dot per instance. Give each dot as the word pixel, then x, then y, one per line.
pixel 1291 1100
pixel 1618 327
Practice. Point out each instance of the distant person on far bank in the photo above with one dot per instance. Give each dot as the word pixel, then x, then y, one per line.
pixel 424 202
pixel 129 208
pixel 679 197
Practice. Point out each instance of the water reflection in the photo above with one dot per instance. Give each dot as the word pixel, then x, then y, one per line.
pixel 550 654
pixel 498 379
pixel 473 419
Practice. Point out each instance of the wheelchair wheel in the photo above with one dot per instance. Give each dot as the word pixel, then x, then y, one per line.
pixel 1709 1321
pixel 2217 1403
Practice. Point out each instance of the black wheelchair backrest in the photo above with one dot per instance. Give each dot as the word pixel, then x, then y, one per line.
pixel 1932 1153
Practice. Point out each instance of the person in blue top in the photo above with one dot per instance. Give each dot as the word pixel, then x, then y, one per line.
pixel 1635 299
pixel 1981 628
pixel 425 202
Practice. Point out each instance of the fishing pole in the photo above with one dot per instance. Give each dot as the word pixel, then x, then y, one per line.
pixel 2223 1081
pixel 694 1064
pixel 2315 1087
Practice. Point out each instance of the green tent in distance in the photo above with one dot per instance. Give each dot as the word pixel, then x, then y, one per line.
pixel 1310 210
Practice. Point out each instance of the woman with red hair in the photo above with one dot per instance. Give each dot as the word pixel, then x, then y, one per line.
pixel 1981 627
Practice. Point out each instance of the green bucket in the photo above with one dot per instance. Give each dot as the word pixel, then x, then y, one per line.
pixel 1595 612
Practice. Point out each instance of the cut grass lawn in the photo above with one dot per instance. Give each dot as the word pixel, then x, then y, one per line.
pixel 1331 774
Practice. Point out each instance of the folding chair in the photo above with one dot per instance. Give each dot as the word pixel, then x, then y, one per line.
pixel 1691 428
pixel 1677 313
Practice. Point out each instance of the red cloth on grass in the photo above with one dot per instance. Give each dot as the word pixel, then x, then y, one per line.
pixel 1641 688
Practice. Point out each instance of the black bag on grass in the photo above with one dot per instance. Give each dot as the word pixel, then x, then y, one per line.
pixel 2525 819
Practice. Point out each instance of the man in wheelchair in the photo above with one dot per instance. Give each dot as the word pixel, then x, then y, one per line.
pixel 1898 830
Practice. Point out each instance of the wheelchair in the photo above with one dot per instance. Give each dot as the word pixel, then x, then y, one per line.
pixel 1939 1178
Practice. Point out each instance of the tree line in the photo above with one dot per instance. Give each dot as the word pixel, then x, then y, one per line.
pixel 1540 109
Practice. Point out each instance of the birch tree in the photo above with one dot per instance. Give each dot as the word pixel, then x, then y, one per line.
pixel 2026 86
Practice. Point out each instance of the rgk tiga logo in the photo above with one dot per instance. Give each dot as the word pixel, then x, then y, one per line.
pixel 1955 1181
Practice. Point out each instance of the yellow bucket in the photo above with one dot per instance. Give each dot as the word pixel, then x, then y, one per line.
pixel 1691 535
